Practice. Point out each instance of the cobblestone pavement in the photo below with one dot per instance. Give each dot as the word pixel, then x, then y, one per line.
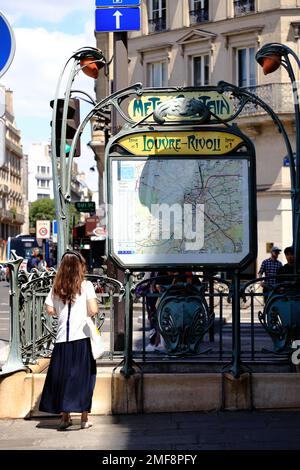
pixel 271 430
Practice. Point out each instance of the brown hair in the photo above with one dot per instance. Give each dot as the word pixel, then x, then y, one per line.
pixel 69 277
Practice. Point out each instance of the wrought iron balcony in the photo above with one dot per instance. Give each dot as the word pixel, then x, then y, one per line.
pixel 11 216
pixel 242 7
pixel 43 176
pixel 19 218
pixel 199 16
pixel 156 25
pixel 277 95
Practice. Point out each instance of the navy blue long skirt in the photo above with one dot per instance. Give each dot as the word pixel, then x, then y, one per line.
pixel 71 378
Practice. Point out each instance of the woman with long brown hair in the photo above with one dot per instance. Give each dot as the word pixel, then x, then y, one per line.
pixel 71 375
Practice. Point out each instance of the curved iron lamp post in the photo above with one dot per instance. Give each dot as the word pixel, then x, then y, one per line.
pixel 270 57
pixel 90 60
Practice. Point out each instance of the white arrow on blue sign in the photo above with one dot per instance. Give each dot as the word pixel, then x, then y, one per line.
pixel 117 3
pixel 7 45
pixel 114 19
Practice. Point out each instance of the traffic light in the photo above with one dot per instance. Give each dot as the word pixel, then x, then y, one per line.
pixel 73 122
pixel 103 123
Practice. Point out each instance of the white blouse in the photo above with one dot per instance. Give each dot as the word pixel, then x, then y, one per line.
pixel 72 326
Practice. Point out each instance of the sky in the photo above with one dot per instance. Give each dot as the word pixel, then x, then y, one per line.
pixel 47 32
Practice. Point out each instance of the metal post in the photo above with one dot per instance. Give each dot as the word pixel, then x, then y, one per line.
pixel 211 307
pixel 275 51
pixel 127 369
pixel 296 189
pixel 14 361
pixel 61 170
pixel 120 81
pixel 120 71
pixel 236 326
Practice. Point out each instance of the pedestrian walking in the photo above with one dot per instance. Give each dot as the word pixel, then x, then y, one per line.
pixel 33 260
pixel 288 268
pixel 71 375
pixel 269 268
pixel 42 263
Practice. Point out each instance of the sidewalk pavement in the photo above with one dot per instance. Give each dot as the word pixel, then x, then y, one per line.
pixel 243 430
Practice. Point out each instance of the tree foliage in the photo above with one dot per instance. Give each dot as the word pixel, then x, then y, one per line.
pixel 44 209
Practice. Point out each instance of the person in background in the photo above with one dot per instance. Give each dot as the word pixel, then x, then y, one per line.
pixel 42 263
pixel 156 342
pixel 269 269
pixel 71 376
pixel 33 261
pixel 288 268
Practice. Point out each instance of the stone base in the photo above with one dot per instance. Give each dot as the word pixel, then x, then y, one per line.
pixel 154 393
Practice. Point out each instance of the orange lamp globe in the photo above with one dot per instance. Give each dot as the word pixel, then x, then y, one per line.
pixel 271 63
pixel 89 67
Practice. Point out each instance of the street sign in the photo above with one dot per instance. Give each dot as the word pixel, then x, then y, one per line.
pixel 43 229
pixel 7 45
pixel 117 3
pixel 54 231
pixel 85 206
pixel 180 143
pixel 114 19
pixel 204 217
pixel 141 106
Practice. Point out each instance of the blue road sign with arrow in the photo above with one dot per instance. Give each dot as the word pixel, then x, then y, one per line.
pixel 117 3
pixel 117 19
pixel 7 45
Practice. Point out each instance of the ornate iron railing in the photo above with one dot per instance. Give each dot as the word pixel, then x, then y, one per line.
pixel 241 7
pixel 205 325
pixel 220 331
pixel 277 95
pixel 37 329
pixel 157 24
pixel 199 16
pixel 33 332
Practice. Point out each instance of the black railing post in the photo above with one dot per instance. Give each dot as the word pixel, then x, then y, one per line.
pixel 127 370
pixel 236 326
pixel 211 307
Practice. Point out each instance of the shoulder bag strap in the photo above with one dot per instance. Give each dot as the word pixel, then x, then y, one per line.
pixel 68 322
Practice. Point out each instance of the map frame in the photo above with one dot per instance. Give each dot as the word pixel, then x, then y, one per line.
pixel 244 151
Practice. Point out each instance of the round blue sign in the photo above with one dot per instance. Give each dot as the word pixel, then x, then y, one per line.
pixel 7 45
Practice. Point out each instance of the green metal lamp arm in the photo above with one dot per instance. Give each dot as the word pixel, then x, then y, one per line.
pixel 248 96
pixel 108 101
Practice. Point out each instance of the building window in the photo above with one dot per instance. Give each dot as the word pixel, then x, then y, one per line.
pixel 242 7
pixel 43 169
pixel 42 196
pixel 157 74
pixel 246 67
pixel 157 15
pixel 198 11
pixel 200 70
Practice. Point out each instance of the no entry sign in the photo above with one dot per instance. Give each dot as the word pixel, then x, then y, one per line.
pixel 43 229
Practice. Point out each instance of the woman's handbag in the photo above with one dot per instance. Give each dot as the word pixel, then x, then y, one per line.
pixel 97 343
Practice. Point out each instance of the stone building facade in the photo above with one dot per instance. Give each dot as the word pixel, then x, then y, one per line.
pixel 199 42
pixel 13 203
